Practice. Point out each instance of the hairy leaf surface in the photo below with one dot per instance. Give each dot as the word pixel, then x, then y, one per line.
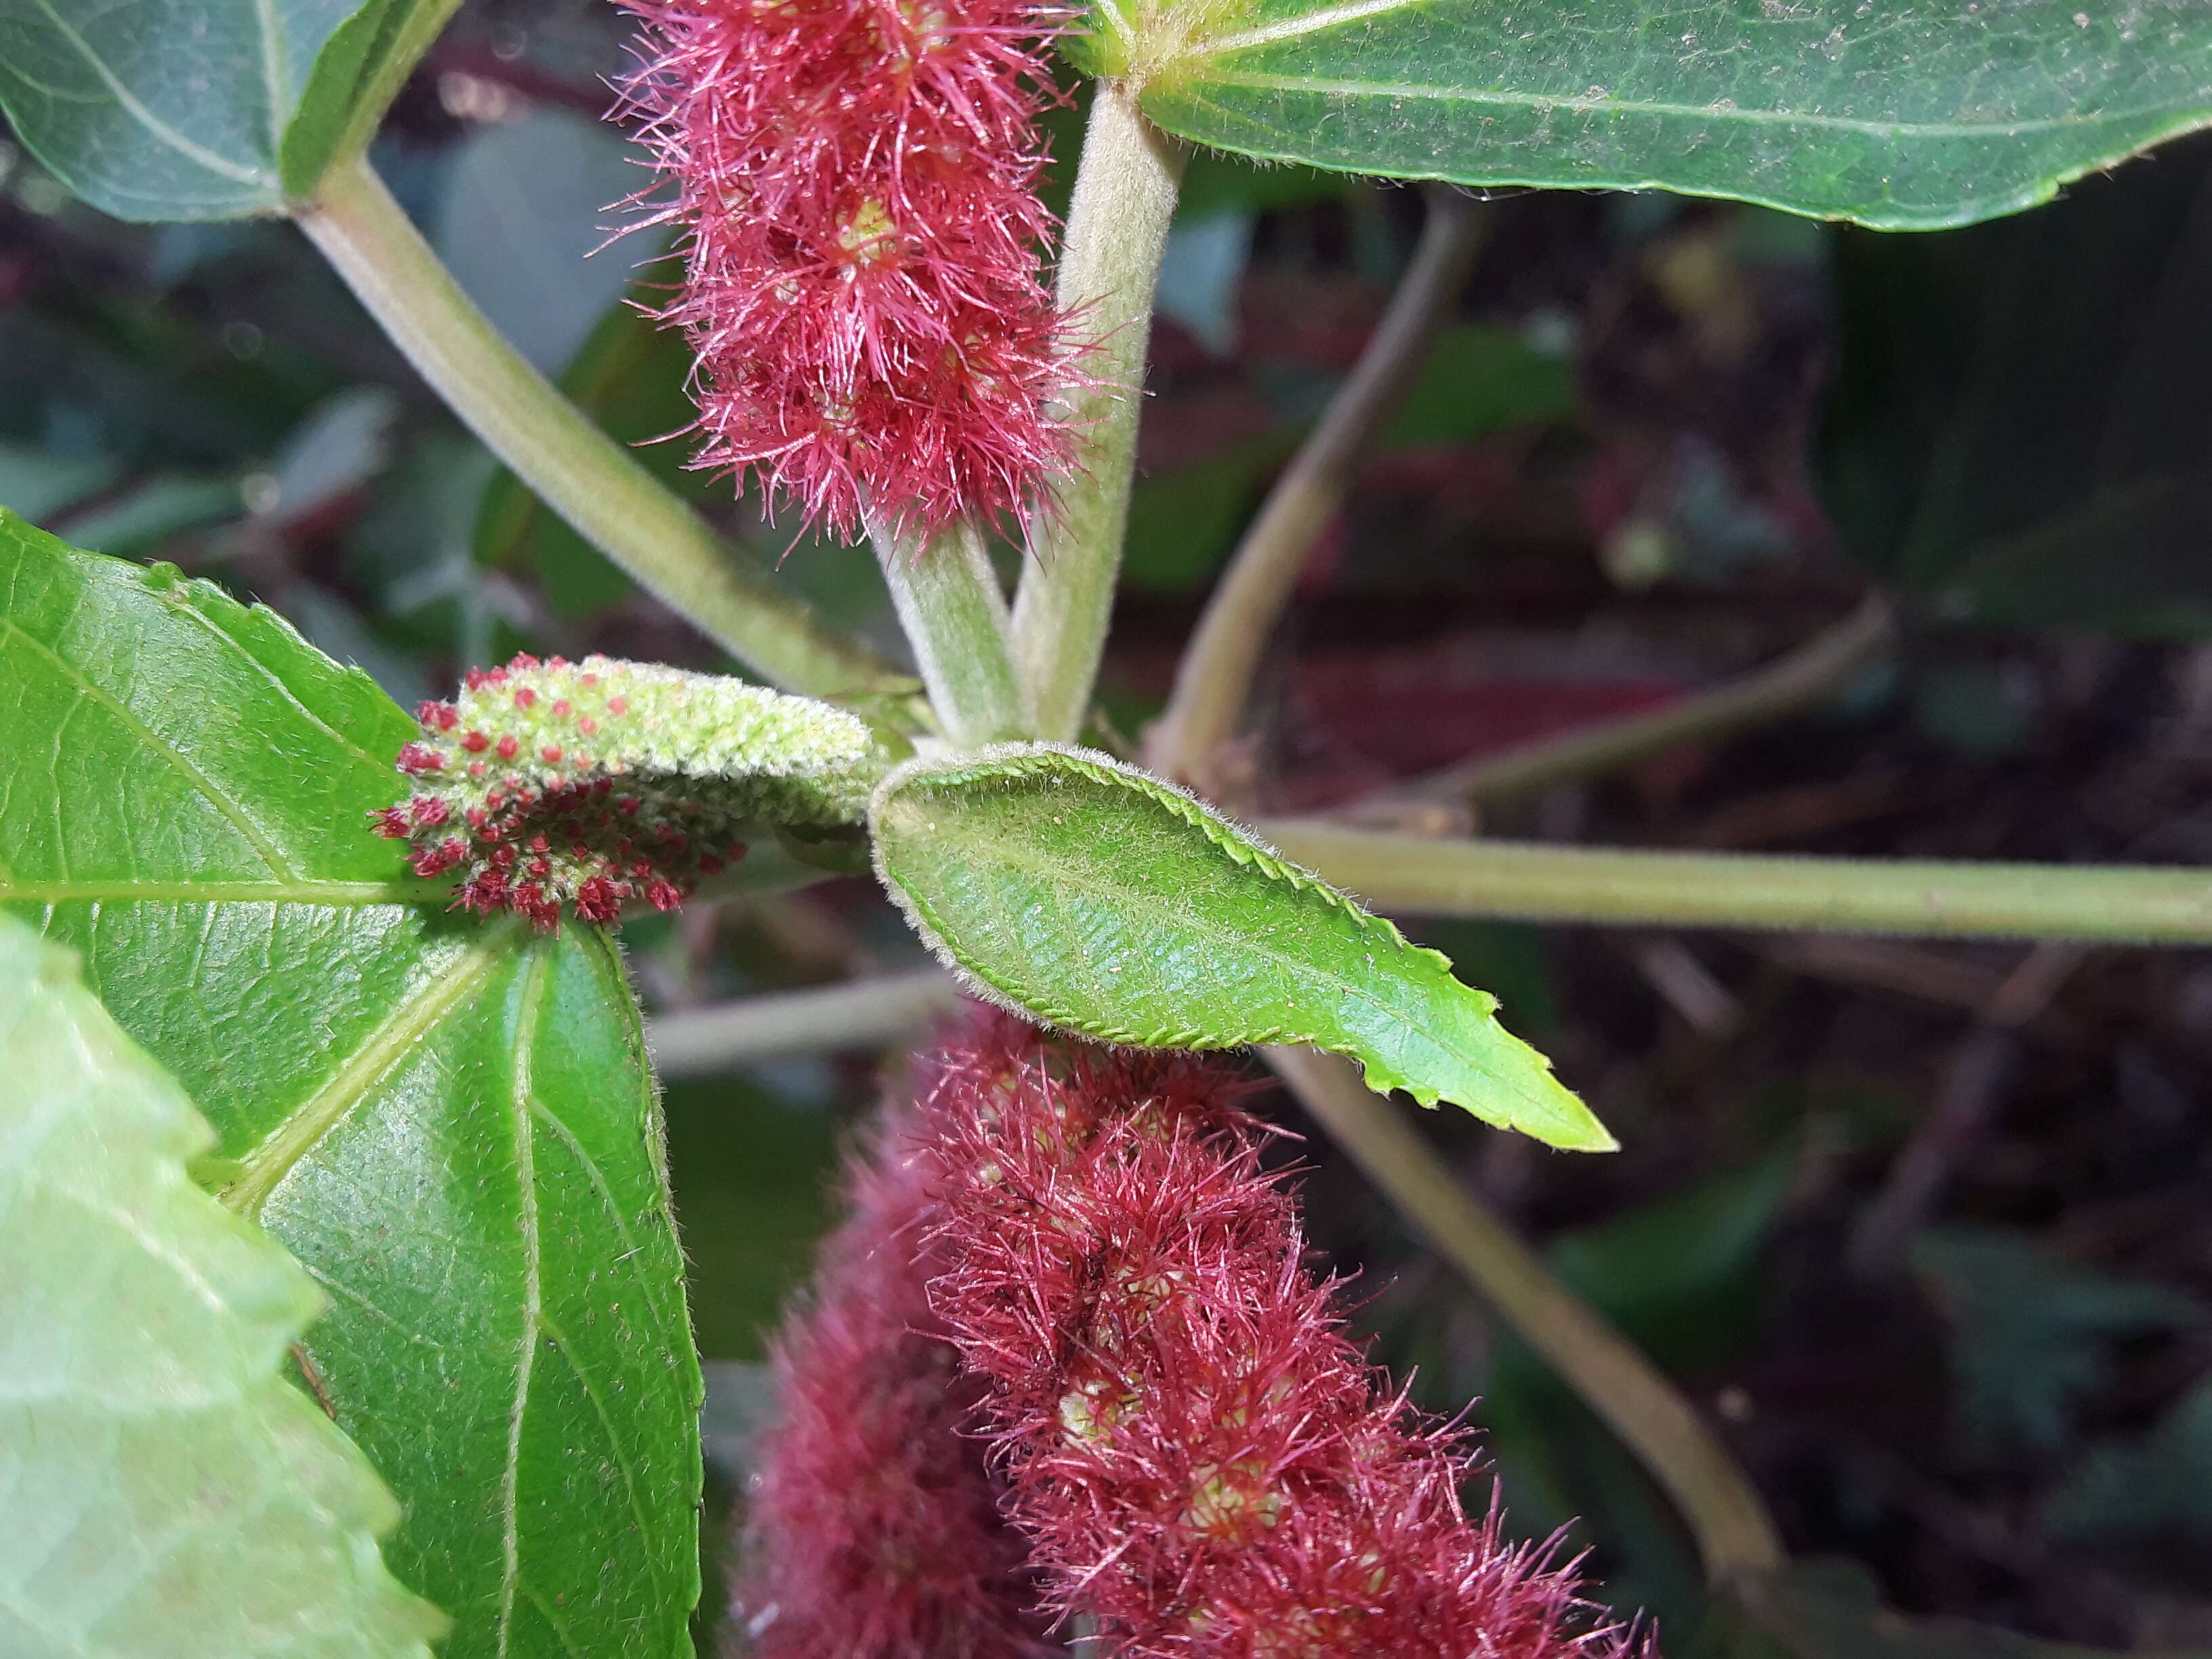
pixel 163 1488
pixel 202 109
pixel 1907 115
pixel 451 1127
pixel 1099 900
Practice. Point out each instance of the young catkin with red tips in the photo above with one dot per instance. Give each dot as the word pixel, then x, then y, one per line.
pixel 1200 1458
pixel 874 1525
pixel 856 180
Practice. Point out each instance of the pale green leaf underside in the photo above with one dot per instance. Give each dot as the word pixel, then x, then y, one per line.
pixel 1098 900
pixel 202 109
pixel 451 1127
pixel 163 1488
pixel 1905 114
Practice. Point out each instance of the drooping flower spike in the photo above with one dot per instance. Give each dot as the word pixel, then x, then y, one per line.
pixel 553 785
pixel 856 180
pixel 1202 1463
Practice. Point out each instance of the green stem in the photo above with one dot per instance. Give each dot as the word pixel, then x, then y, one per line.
pixel 1215 676
pixel 1737 1538
pixel 1109 263
pixel 590 480
pixel 2120 903
pixel 949 601
pixel 861 1014
pixel 1793 681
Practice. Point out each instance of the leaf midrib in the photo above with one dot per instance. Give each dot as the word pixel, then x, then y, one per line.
pixel 522 1089
pixel 1196 70
pixel 335 894
pixel 262 1169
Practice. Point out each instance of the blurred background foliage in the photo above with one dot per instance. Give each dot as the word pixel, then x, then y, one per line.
pixel 1661 441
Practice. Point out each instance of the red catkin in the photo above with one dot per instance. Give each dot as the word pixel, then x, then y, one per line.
pixel 873 1529
pixel 1202 1461
pixel 856 182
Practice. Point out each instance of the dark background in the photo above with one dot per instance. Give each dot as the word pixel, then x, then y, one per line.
pixel 1664 441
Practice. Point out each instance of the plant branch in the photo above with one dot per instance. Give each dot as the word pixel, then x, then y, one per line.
pixel 585 476
pixel 2118 903
pixel 1109 263
pixel 1797 680
pixel 949 602
pixel 1737 1538
pixel 861 1014
pixel 1215 677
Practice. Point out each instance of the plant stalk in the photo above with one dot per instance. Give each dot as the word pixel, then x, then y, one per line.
pixel 949 601
pixel 1794 681
pixel 2138 904
pixel 1214 678
pixel 585 476
pixel 861 1014
pixel 1110 264
pixel 1737 1538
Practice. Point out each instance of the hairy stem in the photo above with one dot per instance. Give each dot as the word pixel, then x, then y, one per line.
pixel 1736 1536
pixel 585 476
pixel 861 1014
pixel 1109 263
pixel 1790 683
pixel 949 601
pixel 1215 677
pixel 2121 903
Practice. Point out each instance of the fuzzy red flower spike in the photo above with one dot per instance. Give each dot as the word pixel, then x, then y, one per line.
pixel 1201 1459
pixel 857 184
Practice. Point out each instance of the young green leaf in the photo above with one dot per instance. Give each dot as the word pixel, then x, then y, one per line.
pixel 1087 895
pixel 203 109
pixel 451 1125
pixel 164 1488
pixel 1898 117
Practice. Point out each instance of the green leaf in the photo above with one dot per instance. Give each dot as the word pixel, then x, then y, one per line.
pixel 356 75
pixel 2032 1332
pixel 163 1489
pixel 451 1127
pixel 1907 116
pixel 203 109
pixel 1087 895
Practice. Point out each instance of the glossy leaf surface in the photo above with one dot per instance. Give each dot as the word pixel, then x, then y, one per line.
pixel 163 1488
pixel 202 109
pixel 1905 115
pixel 451 1127
pixel 1095 898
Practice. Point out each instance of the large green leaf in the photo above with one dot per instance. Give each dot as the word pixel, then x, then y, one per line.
pixel 202 109
pixel 1907 115
pixel 1100 899
pixel 451 1127
pixel 162 1489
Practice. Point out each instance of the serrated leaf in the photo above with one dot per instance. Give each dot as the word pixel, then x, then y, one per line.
pixel 203 109
pixel 1905 116
pixel 1097 899
pixel 163 1488
pixel 451 1127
